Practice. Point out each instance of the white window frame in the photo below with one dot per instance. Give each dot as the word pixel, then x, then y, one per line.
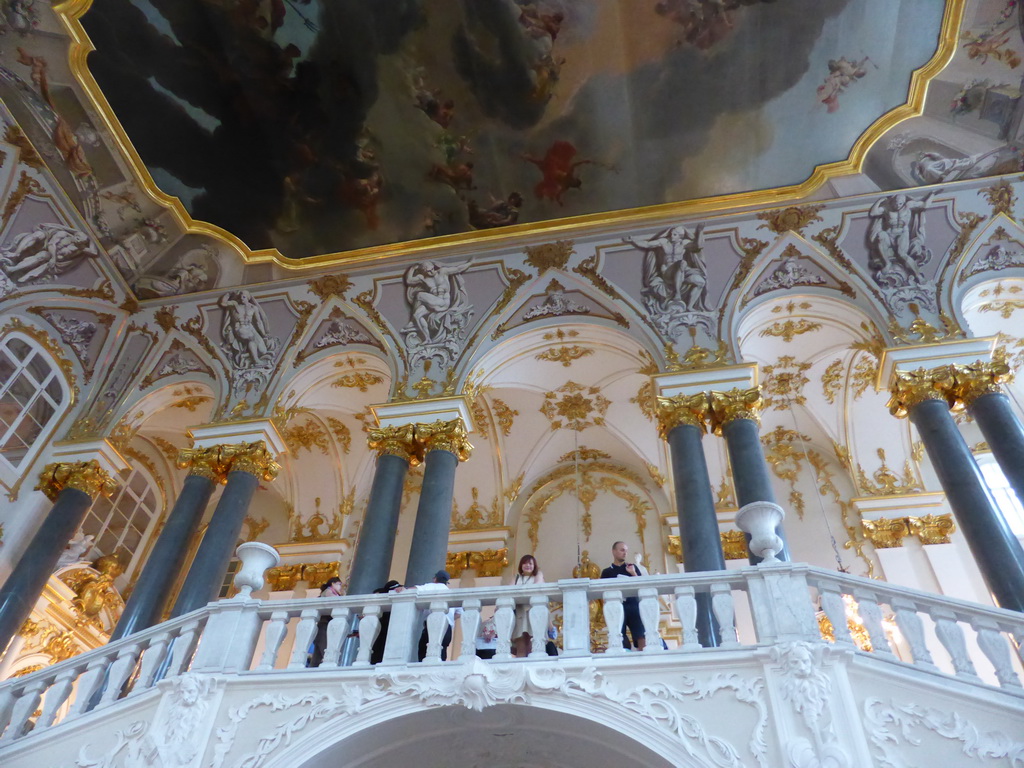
pixel 1003 494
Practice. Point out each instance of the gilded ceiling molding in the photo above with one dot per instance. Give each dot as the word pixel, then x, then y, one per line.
pixel 566 355
pixel 364 301
pixel 735 404
pixel 825 481
pixel 254 527
pixel 656 474
pixel 1000 197
pixel 790 329
pixel 326 286
pixel 306 436
pixel 832 380
pixel 784 459
pixel 359 380
pixel 27 153
pixel 784 383
pixel 550 255
pixel 27 185
pixel 166 318
pixel 486 563
pixel 85 476
pixel 1005 307
pixel 317 527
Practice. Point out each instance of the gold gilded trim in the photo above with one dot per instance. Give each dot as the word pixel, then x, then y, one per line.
pixel 679 410
pixel 85 476
pixel 394 441
pixel 885 533
pixel 70 12
pixel 932 529
pixel 735 404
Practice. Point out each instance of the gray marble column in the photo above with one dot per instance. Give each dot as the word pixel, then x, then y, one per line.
pixel 371 565
pixel 429 551
pixel 996 549
pixel 698 520
pixel 750 471
pixel 247 465
pixel 72 486
pixel 1004 434
pixel 160 573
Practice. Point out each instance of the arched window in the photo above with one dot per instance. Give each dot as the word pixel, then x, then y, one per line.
pixel 1005 496
pixel 33 396
pixel 123 522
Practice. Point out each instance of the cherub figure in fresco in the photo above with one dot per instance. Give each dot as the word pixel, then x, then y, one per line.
pixel 21 16
pixel 537 23
pixel 674 270
pixel 544 73
pixel 990 43
pixel 456 175
pixel 501 213
pixel 438 300
pixel 896 240
pixel 704 22
pixel 559 171
pixel 245 330
pixel 841 74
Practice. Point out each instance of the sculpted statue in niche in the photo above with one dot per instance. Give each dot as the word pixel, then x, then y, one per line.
pixel 245 331
pixel 74 551
pixel 440 310
pixel 44 253
pixel 897 248
pixel 675 279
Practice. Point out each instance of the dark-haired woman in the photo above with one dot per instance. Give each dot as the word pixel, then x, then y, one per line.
pixel 527 573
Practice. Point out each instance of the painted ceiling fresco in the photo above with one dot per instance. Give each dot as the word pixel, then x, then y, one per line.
pixel 320 126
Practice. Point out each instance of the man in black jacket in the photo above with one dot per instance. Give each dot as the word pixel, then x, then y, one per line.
pixel 630 605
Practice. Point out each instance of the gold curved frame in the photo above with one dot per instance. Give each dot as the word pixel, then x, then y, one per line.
pixel 71 11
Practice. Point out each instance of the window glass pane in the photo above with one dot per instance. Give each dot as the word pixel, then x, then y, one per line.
pixel 18 348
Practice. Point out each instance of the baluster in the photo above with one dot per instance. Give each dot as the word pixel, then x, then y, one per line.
pixel 87 685
pixel 369 628
pixel 725 612
pixel 951 635
pixel 835 609
pixel 913 630
pixel 304 635
pixel 504 618
pixel 867 607
pixel 23 709
pixel 151 660
pixel 470 624
pixel 650 615
pixel 437 624
pixel 992 642
pixel 686 607
pixel 538 617
pixel 182 648
pixel 273 636
pixel 613 617
pixel 119 671
pixel 336 633
pixel 56 696
pixel 6 704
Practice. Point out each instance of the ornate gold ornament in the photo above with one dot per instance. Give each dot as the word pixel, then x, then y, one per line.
pixel 656 474
pixel 922 332
pixel 504 414
pixel 885 482
pixel 886 533
pixel 583 454
pixel 575 406
pixel 27 185
pixel 550 255
pixel 395 441
pixel 784 383
pixel 308 436
pixel 735 404
pixel 94 588
pixel 790 306
pixel 477 516
pixel 977 379
pixel 317 527
pixel 512 492
pixel 910 388
pixel 791 219
pixel 850 519
pixel 365 302
pixel 448 436
pixel 832 380
pixel 330 285
pixel 166 319
pixel 341 433
pixel 588 268
pixel 85 476
pixel 488 562
pixel 211 463
pixel 565 355
pixel 1005 307
pixel 27 154
pixel 790 329
pixel 252 458
pixel 283 578
pixel 734 545
pixel 255 527
pixel 982 447
pixel 675 547
pixel 1001 197
pixel 359 380
pixel 691 410
pixel 863 376
pixel 784 459
pixel 725 496
pixel 932 529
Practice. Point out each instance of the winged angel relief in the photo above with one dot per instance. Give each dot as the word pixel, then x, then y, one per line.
pixel 440 311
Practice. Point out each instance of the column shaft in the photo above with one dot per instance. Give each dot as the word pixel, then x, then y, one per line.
pixel 698 520
pixel 996 550
pixel 1004 434
pixel 23 587
pixel 165 561
pixel 371 565
pixel 750 471
pixel 433 518
pixel 203 582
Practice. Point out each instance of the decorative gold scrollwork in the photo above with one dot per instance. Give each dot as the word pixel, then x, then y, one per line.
pixel 205 462
pixel 886 533
pixel 735 404
pixel 910 388
pixel 977 379
pixel 679 410
pixel 395 441
pixel 734 545
pixel 444 436
pixel 85 476
pixel 932 529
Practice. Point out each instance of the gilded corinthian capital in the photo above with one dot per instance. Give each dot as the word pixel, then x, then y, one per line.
pixel 85 476
pixel 205 462
pixel 909 388
pixel 395 441
pixel 977 379
pixel 735 404
pixel 252 458
pixel 445 436
pixel 682 409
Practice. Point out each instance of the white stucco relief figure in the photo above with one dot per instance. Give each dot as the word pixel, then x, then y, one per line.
pixel 75 550
pixel 247 339
pixel 178 365
pixel 897 249
pixel 338 334
pixel 555 304
pixel 997 257
pixel 440 311
pixel 933 168
pixel 186 278
pixel 77 334
pixel 46 252
pixel 788 274
pixel 675 290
